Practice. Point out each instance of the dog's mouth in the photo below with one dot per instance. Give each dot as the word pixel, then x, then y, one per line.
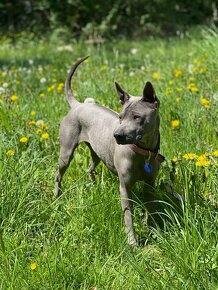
pixel 123 140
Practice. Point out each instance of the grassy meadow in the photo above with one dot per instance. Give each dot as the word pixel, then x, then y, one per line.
pixel 77 241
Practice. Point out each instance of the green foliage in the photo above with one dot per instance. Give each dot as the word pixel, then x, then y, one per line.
pixel 106 18
pixel 77 241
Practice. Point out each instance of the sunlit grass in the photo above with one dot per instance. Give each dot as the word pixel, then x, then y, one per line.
pixel 78 240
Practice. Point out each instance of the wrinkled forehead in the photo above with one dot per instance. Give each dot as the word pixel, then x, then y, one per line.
pixel 138 106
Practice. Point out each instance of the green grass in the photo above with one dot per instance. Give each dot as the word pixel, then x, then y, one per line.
pixel 78 240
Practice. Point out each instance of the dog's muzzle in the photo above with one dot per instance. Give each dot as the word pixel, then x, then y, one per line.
pixel 125 139
pixel 120 138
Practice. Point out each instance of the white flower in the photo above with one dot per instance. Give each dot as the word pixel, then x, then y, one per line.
pixel 40 123
pixel 131 74
pixel 134 50
pixel 2 90
pixel 5 85
pixel 190 67
pixel 42 80
pixel 65 48
pixel 215 96
pixel 30 61
pixel 142 67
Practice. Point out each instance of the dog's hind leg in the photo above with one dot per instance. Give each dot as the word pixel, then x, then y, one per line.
pixel 68 144
pixel 95 161
pixel 66 156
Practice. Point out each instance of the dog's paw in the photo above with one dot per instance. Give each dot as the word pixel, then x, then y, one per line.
pixel 132 242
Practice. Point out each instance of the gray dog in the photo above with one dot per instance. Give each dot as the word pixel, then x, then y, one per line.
pixel 127 143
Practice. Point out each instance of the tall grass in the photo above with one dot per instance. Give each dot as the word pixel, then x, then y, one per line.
pixel 77 241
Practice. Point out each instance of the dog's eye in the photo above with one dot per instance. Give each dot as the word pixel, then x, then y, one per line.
pixel 136 117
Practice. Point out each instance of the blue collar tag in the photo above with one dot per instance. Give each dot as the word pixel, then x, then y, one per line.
pixel 147 167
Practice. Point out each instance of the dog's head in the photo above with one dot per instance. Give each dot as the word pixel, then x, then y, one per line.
pixel 139 116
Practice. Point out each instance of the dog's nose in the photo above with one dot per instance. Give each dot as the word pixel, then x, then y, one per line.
pixel 119 137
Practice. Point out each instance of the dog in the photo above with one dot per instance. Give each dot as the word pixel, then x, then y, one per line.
pixel 128 143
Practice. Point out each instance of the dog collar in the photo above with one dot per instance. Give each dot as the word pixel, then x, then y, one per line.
pixel 147 153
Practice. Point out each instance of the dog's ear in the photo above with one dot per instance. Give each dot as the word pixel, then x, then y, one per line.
pixel 124 96
pixel 149 93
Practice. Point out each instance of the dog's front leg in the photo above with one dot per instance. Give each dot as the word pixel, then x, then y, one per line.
pixel 126 203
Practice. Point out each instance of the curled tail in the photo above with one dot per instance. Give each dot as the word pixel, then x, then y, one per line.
pixel 68 91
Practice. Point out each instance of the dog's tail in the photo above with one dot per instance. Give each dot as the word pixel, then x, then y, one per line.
pixel 68 91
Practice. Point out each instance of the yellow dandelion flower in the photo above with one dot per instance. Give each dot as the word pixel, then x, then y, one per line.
pixel 32 123
pixel 203 157
pixel 41 94
pixel 215 153
pixel 179 89
pixel 175 123
pixel 54 80
pixel 194 69
pixel 155 75
pixel 170 83
pixel 190 156
pixel 45 136
pixel 32 113
pixel 194 90
pixel 104 67
pixel 24 139
pixel 202 70
pixel 190 85
pixel 205 103
pixel 203 162
pixel 33 266
pixel 177 73
pixel 169 91
pixel 174 159
pixel 178 99
pixel 14 98
pixel 51 88
pixel 38 131
pixel 60 87
pixel 10 152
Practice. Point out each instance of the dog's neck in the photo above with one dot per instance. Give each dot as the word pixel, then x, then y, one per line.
pixel 151 142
